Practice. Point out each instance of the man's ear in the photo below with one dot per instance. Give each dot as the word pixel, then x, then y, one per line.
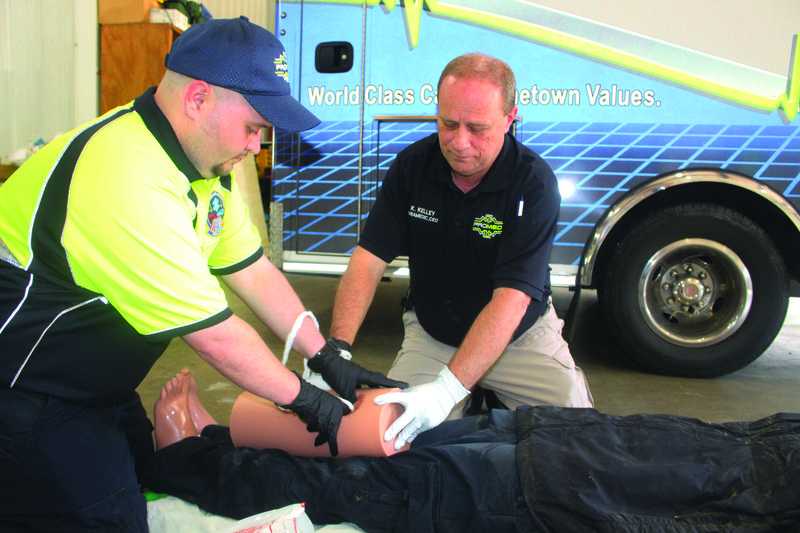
pixel 510 117
pixel 197 99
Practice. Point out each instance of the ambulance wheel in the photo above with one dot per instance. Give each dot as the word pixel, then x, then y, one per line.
pixel 695 290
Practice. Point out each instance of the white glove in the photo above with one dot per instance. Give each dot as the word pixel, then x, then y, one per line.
pixel 426 406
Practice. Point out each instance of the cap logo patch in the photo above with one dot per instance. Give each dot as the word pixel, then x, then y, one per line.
pixel 281 67
pixel 216 212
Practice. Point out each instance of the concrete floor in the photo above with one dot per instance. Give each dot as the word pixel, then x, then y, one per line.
pixel 767 386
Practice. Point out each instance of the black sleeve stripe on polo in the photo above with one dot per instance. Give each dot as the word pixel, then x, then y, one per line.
pixel 180 331
pixel 236 267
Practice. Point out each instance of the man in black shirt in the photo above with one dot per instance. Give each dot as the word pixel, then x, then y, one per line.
pixel 475 211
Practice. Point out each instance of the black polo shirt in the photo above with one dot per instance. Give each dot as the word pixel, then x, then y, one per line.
pixel 463 246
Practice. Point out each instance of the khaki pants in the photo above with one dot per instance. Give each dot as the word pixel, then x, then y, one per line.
pixel 535 369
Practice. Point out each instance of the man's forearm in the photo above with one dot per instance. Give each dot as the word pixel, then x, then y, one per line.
pixel 489 336
pixel 355 293
pixel 267 292
pixel 237 352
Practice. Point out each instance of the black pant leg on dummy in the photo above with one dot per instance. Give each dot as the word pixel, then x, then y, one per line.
pixel 588 471
pixel 239 482
pixel 468 486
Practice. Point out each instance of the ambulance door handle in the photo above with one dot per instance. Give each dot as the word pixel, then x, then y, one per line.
pixel 333 57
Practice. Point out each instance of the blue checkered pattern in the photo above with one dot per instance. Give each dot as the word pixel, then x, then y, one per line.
pixel 317 179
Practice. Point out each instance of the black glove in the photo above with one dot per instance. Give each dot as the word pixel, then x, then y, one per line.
pixel 346 376
pixel 321 411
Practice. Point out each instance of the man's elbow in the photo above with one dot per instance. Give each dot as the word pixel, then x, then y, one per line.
pixel 363 262
pixel 513 298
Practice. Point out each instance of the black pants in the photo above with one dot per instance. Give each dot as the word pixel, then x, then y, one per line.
pixel 71 468
pixel 581 471
pixel 459 477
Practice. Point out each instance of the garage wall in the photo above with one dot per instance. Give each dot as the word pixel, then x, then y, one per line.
pixel 48 69
pixel 261 12
pixel 49 64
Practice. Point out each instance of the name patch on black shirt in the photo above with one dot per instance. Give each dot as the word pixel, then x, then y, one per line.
pixel 422 213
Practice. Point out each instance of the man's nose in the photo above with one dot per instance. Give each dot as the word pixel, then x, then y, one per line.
pixel 462 138
pixel 254 142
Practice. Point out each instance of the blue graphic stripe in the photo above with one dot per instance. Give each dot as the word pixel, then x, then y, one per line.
pixel 602 161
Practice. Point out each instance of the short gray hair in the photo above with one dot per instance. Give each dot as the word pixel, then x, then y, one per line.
pixel 482 67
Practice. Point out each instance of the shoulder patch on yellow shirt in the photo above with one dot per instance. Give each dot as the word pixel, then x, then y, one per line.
pixel 216 212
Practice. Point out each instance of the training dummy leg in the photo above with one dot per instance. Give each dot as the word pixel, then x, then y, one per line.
pixel 260 424
pixel 407 491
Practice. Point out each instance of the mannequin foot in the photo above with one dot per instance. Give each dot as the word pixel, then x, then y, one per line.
pixel 200 417
pixel 171 413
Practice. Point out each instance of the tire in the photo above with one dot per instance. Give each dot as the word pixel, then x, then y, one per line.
pixel 695 290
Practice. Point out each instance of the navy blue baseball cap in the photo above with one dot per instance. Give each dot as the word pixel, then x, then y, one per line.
pixel 243 57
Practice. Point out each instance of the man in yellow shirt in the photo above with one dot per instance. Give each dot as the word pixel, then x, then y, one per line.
pixel 113 240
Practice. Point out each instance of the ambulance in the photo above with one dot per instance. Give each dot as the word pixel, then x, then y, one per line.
pixel 679 169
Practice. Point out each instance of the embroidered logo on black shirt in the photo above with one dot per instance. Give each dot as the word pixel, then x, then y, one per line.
pixel 488 226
